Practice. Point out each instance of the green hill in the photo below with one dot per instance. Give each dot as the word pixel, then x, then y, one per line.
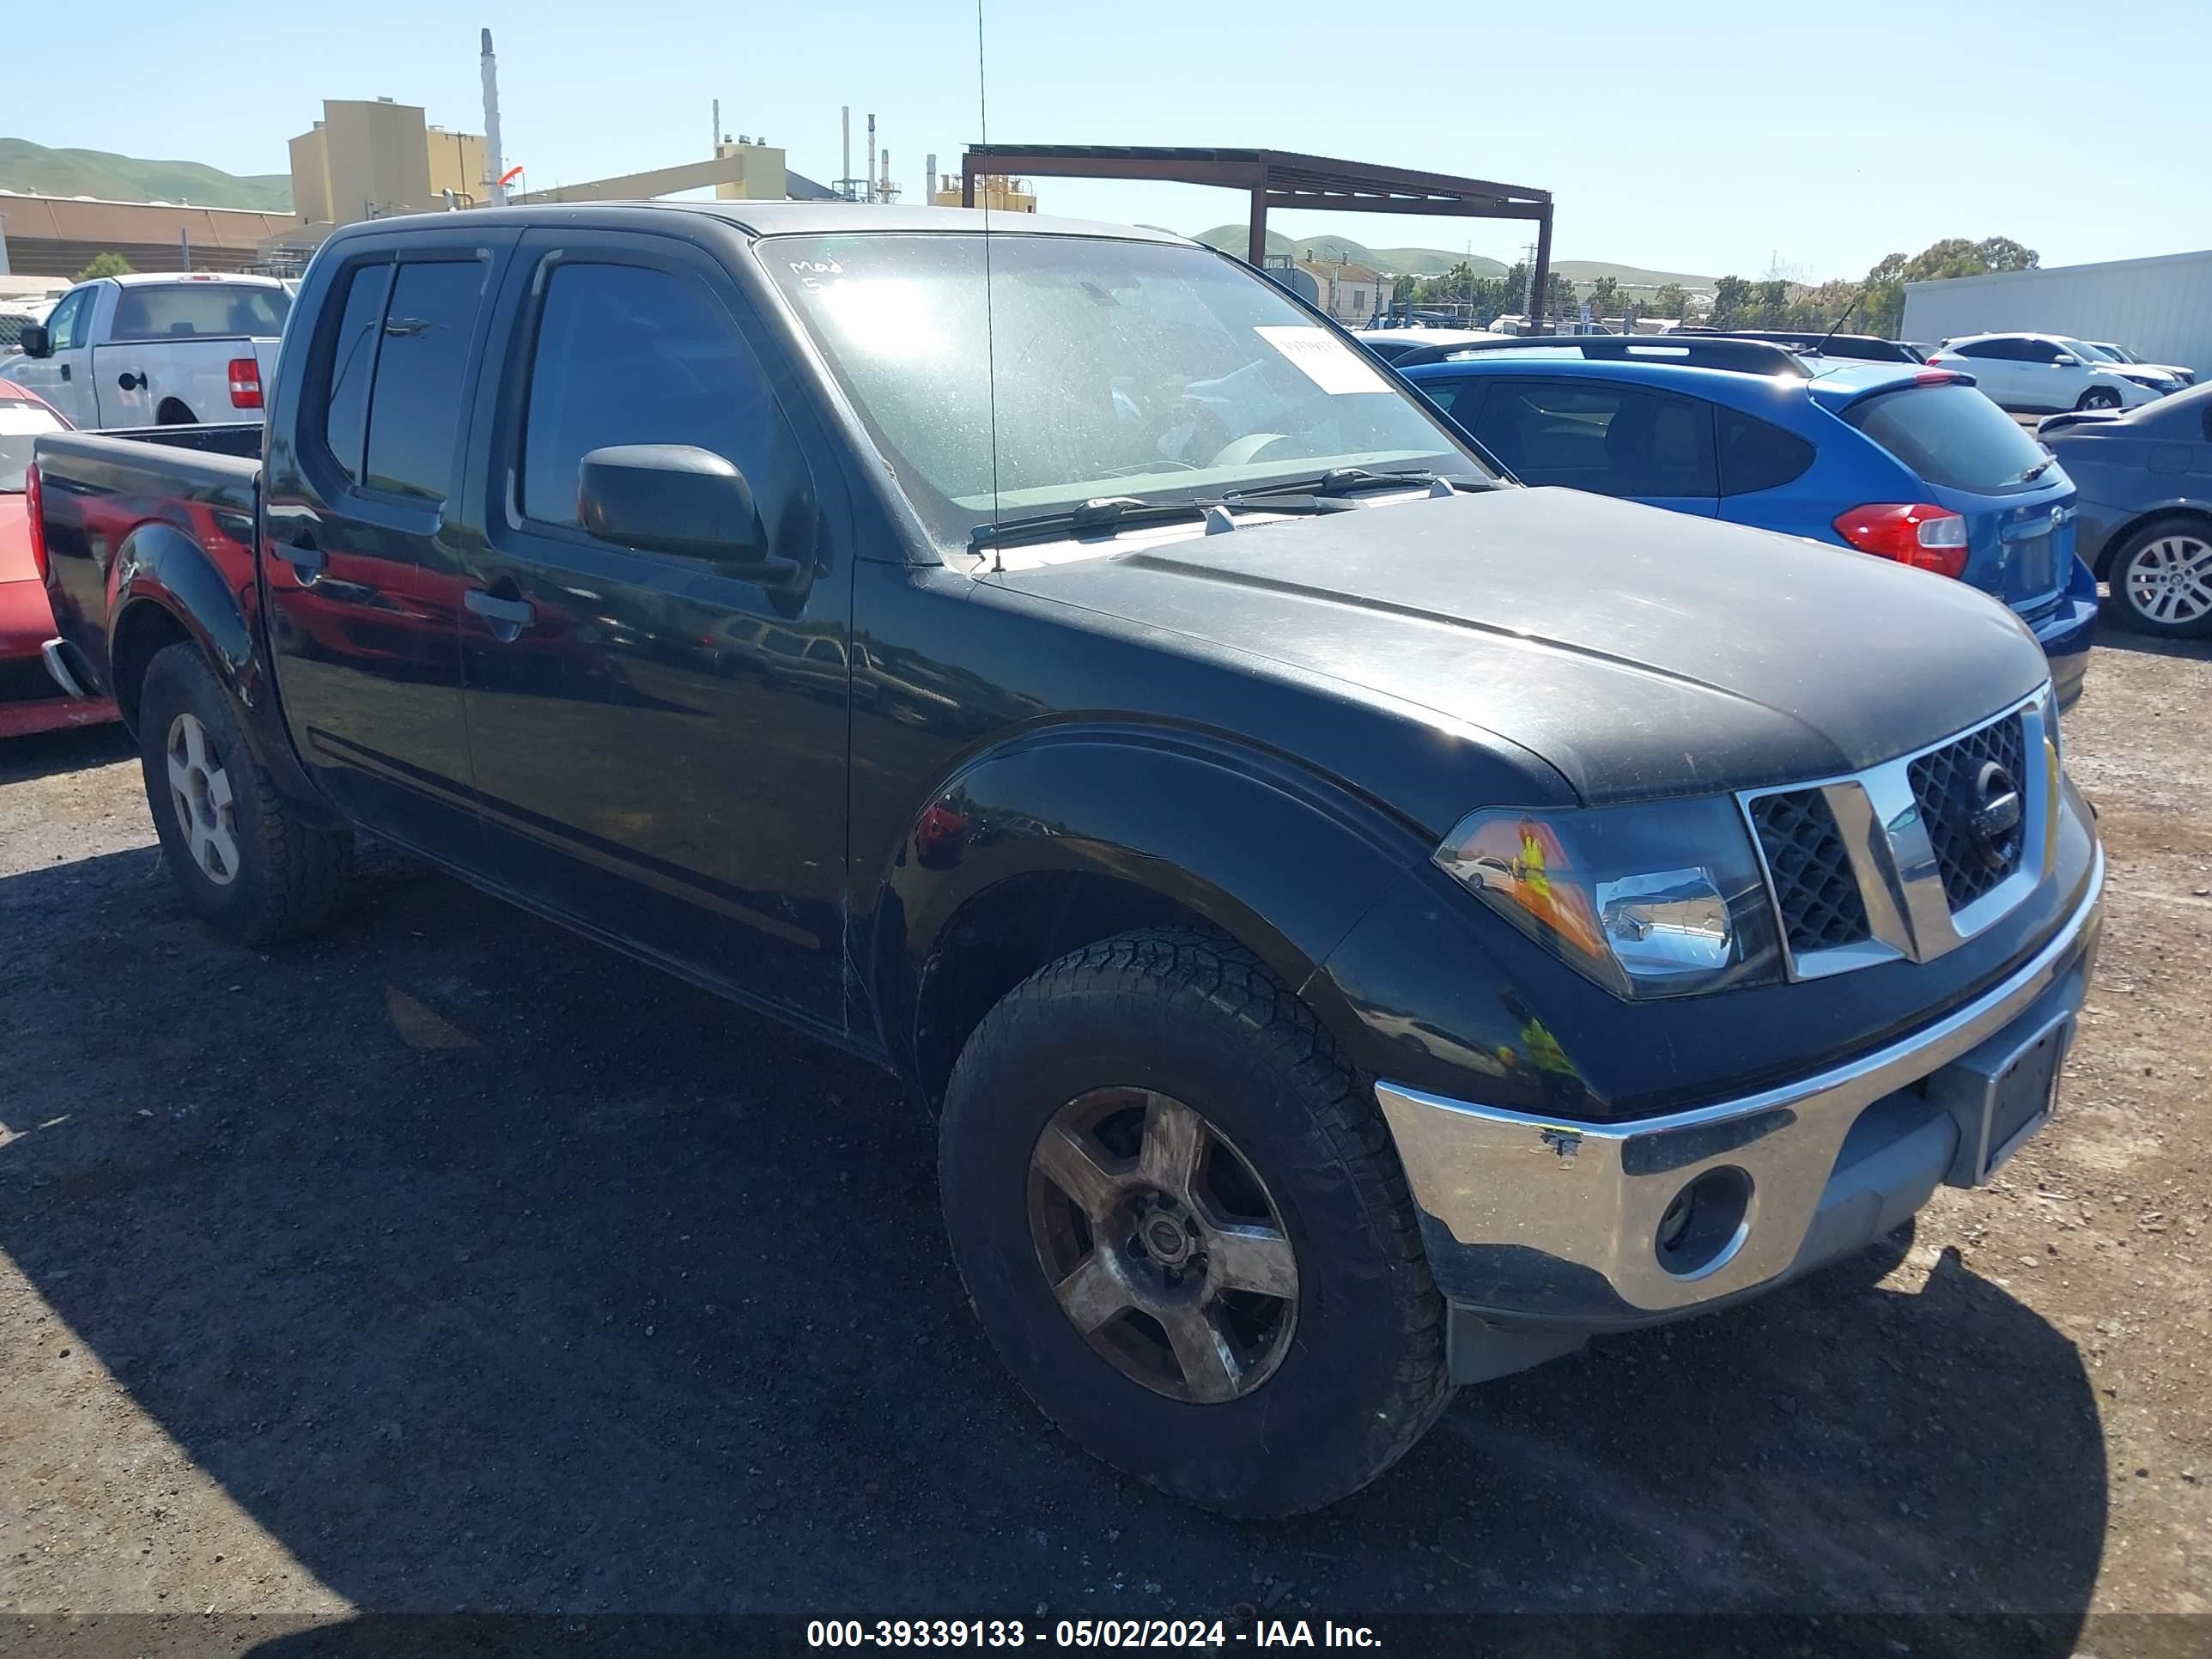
pixel 1399 261
pixel 1435 261
pixel 25 166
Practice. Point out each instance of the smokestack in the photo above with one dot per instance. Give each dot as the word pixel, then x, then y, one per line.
pixel 494 165
pixel 845 154
pixel 716 147
pixel 887 191
pixel 929 182
pixel 872 195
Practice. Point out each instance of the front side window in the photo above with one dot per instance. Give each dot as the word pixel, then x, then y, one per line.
pixel 639 355
pixel 421 366
pixel 65 326
pixel 188 311
pixel 1614 439
pixel 2037 351
pixel 1089 366
pixel 22 424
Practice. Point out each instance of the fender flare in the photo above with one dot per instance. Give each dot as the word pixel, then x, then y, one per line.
pixel 1252 842
pixel 158 565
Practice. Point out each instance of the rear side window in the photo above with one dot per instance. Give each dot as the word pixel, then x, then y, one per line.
pixel 352 365
pixel 1757 455
pixel 638 355
pixel 1616 441
pixel 1951 435
pixel 1460 399
pixel 422 364
pixel 192 310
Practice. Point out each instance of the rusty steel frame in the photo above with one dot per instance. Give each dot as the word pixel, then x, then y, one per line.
pixel 1281 179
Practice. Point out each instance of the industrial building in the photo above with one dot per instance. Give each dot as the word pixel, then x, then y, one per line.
pixel 59 236
pixel 2160 308
pixel 369 159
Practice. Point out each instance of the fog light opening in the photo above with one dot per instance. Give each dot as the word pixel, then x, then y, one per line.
pixel 1705 1226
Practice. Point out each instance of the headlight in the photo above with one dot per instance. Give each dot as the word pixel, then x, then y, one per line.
pixel 1664 900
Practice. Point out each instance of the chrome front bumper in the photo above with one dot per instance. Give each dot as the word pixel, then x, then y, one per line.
pixel 1560 1222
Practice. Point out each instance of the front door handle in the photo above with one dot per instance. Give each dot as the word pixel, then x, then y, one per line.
pixel 65 371
pixel 509 613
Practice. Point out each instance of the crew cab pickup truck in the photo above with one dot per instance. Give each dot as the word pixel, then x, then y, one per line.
pixel 1362 924
pixel 154 350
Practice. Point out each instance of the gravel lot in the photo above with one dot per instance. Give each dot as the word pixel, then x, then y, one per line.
pixel 453 1263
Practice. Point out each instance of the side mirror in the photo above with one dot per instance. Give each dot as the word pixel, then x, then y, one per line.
pixel 35 341
pixel 674 498
pixel 2066 360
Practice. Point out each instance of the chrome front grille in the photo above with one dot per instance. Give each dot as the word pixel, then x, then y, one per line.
pixel 1814 886
pixel 1911 858
pixel 1946 785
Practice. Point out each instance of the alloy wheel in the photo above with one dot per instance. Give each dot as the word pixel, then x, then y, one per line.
pixel 2170 580
pixel 200 789
pixel 1163 1245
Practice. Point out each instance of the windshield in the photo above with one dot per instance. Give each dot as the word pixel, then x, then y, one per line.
pixel 20 424
pixel 1140 369
pixel 191 311
pixel 1952 436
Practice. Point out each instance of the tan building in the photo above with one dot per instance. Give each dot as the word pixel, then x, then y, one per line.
pixel 1352 294
pixel 993 190
pixel 761 176
pixel 59 236
pixel 372 159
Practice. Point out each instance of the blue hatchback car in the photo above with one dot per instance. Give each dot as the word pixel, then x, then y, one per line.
pixel 1911 464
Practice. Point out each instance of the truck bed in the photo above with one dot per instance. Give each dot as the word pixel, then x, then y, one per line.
pixel 106 494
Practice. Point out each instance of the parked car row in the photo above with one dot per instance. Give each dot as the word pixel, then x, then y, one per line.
pixel 2044 373
pixel 1362 926
pixel 33 698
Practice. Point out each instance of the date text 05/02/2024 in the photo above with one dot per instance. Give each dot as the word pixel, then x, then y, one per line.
pixel 1215 1634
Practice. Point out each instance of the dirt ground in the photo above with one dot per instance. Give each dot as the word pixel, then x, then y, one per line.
pixel 453 1263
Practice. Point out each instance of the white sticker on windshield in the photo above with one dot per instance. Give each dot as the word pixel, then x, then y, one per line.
pixel 1323 358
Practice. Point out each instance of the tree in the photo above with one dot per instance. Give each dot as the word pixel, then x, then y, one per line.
pixel 1604 297
pixel 105 265
pixel 1733 300
pixel 1953 257
pixel 1670 301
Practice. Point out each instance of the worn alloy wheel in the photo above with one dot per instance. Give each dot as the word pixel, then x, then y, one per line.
pixel 1162 1244
pixel 2102 397
pixel 201 791
pixel 2166 581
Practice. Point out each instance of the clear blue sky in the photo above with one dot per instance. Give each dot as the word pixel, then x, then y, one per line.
pixel 1735 136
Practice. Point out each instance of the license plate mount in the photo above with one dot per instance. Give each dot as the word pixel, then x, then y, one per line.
pixel 2000 1094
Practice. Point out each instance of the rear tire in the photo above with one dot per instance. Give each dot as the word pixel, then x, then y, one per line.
pixel 1313 1385
pixel 249 863
pixel 2161 577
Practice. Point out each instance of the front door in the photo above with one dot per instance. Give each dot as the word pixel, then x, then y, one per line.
pixel 362 562
pixel 61 378
pixel 659 744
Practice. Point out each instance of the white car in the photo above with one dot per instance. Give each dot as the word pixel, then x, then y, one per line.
pixel 2044 373
pixel 2110 353
pixel 1392 343
pixel 156 350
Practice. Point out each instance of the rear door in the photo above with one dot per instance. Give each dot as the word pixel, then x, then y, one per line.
pixel 660 745
pixel 1996 369
pixel 61 379
pixel 361 554
pixel 1612 439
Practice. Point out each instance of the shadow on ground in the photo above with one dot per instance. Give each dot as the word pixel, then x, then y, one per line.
pixel 49 754
pixel 489 1270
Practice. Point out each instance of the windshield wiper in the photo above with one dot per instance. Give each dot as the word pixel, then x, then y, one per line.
pixel 2037 470
pixel 1340 481
pixel 1112 513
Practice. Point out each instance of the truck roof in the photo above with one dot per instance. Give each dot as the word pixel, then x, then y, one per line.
pixel 794 219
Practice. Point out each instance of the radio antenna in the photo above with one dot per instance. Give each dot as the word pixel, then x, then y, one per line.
pixel 990 333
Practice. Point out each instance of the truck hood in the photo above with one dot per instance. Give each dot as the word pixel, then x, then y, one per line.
pixel 1641 653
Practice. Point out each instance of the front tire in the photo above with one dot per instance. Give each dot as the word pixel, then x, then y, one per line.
pixel 1183 1224
pixel 2161 577
pixel 2099 397
pixel 249 863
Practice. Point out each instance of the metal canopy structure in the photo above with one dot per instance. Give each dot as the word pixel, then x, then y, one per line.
pixel 1280 179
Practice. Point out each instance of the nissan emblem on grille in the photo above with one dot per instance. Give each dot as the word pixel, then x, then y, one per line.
pixel 1995 824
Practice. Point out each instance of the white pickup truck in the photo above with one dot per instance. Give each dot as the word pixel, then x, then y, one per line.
pixel 156 350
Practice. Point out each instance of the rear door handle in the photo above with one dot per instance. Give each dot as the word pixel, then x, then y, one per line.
pixel 511 613
pixel 303 555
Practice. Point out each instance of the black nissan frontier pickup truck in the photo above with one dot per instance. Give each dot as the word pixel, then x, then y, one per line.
pixel 1362 926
